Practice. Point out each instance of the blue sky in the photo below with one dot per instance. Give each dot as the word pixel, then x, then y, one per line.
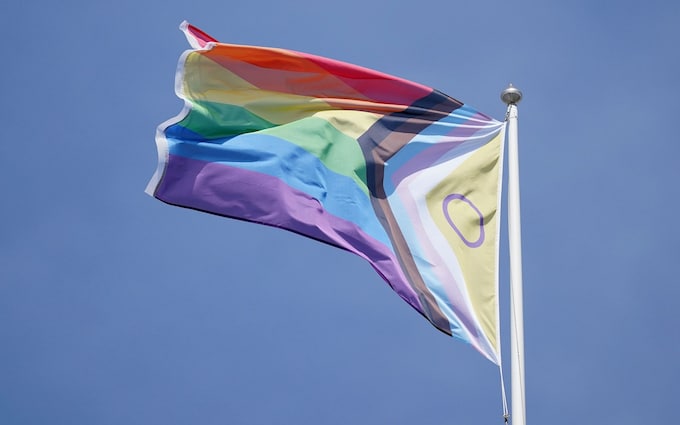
pixel 118 309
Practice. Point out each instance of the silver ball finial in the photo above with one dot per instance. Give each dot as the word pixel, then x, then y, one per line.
pixel 511 95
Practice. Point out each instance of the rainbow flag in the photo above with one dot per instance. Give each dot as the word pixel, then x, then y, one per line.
pixel 398 173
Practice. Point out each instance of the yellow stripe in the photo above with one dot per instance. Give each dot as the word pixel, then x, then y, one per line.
pixel 351 123
pixel 205 80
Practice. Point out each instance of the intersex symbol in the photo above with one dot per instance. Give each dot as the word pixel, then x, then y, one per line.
pixel 457 196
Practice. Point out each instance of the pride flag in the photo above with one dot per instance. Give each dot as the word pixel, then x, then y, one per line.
pixel 398 173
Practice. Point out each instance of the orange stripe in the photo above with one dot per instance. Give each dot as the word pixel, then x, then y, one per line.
pixel 307 75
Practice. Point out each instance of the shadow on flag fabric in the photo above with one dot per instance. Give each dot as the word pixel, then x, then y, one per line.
pixel 398 173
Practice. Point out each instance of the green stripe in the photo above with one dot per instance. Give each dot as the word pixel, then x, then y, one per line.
pixel 338 152
pixel 216 120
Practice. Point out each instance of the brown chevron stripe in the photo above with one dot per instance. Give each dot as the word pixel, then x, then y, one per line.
pixel 386 137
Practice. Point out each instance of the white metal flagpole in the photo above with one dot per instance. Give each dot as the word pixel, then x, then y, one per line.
pixel 511 97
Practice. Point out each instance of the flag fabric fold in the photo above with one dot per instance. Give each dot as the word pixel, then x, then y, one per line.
pixel 398 173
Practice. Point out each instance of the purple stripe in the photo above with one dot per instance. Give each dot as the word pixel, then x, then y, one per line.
pixel 260 198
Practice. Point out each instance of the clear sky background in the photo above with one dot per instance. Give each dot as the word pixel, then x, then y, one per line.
pixel 118 309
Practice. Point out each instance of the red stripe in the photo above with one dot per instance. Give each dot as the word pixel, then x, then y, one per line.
pixel 201 37
pixel 373 84
pixel 291 72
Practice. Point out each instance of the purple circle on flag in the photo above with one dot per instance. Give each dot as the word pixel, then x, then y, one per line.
pixel 456 196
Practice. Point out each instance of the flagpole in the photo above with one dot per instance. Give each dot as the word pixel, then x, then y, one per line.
pixel 511 97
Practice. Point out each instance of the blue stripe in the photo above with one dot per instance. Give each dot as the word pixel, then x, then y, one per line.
pixel 338 194
pixel 179 132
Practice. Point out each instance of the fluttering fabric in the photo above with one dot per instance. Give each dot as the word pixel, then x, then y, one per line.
pixel 398 173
